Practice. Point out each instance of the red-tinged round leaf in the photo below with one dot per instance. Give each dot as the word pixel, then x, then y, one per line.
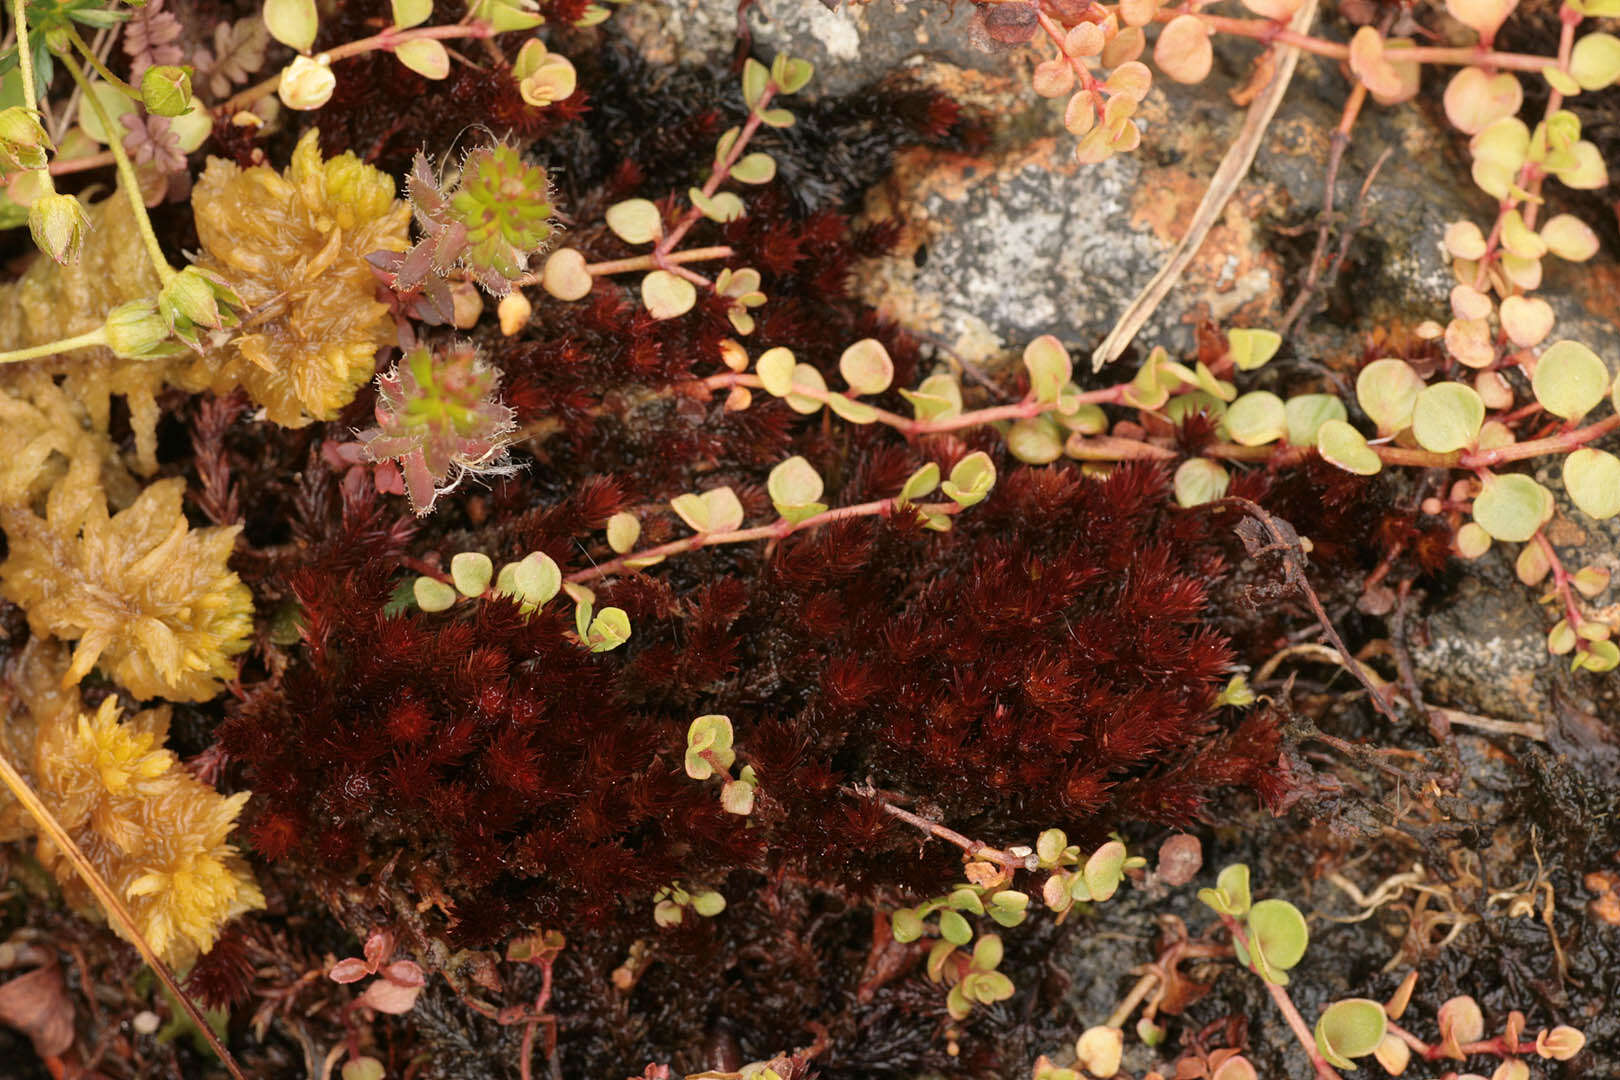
pixel 1569 238
pixel 1484 17
pixel 1080 115
pixel 1053 78
pixel 1474 100
pixel 1527 320
pixel 1183 51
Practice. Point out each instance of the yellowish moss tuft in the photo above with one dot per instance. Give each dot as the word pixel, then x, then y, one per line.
pixel 146 597
pixel 293 247
pixel 51 301
pixel 158 836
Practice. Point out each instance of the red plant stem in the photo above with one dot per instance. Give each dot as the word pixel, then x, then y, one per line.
pixel 1569 18
pixel 774 531
pixel 911 428
pixel 389 39
pixel 1285 1005
pixel 1561 583
pixel 1276 33
pixel 973 848
pixel 650 262
pixel 1498 1046
pixel 1081 72
pixel 717 175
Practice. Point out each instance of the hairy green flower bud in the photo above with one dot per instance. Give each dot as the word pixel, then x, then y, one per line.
pixel 135 331
pixel 166 90
pixel 193 298
pixel 57 223
pixel 23 142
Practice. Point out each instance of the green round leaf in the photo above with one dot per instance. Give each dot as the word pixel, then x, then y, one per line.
pixel 292 22
pixel 1200 480
pixel 1049 367
pixel 806 377
pixel 635 221
pixel 432 594
pixel 471 571
pixel 1592 478
pixel 1447 416
pixel 1570 379
pixel 1036 441
pixel 1278 934
pixel 794 482
pixel 919 483
pixel 1306 413
pixel 1230 896
pixel 1595 61
pixel 971 479
pixel 609 630
pixel 425 56
pixel 1256 419
pixel 1252 348
pixel 1512 507
pixel 936 397
pixel 1344 446
pixel 708 904
pixel 775 371
pixel 905 926
pixel 856 412
pixel 537 579
pixel 623 530
pixel 1105 870
pixel 666 295
pixel 1350 1029
pixel 409 13
pixel 866 367
pixel 755 168
pixel 1387 390
pixel 954 928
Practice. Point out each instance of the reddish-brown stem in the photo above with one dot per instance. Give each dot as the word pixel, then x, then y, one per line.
pixel 911 428
pixel 1561 582
pixel 1563 442
pixel 390 38
pixel 1274 33
pixel 1285 1005
pixel 1498 1047
pixel 972 847
pixel 718 174
pixel 774 531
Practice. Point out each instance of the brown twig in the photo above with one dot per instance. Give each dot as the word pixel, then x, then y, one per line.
pixel 1285 543
pixel 1231 171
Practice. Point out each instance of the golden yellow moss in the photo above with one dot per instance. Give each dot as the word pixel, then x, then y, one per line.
pixel 42 431
pixel 156 834
pixel 147 597
pixel 50 302
pixel 293 246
